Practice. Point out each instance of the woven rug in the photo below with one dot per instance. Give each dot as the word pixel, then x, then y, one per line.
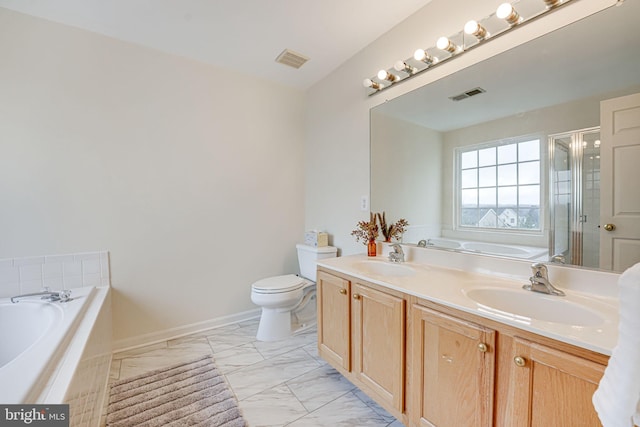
pixel 189 394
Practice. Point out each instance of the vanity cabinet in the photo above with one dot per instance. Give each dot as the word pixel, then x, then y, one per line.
pixel 453 368
pixel 433 365
pixel 471 371
pixel 551 387
pixel 361 333
pixel 379 343
pixel 334 325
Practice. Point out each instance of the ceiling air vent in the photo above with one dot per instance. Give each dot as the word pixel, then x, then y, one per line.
pixel 291 58
pixel 467 94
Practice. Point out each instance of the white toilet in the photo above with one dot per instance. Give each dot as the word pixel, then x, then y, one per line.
pixel 288 302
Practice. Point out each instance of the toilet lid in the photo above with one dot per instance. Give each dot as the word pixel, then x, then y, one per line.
pixel 278 284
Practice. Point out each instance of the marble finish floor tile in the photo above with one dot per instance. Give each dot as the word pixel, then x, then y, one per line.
pixel 238 357
pixel 345 411
pixel 223 341
pixel 283 383
pixel 276 406
pixel 275 348
pixel 374 406
pixel 271 372
pixel 318 387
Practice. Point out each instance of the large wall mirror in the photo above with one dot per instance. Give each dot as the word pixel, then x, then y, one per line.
pixel 504 157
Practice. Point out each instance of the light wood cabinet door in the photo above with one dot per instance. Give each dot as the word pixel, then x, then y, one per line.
pixel 549 387
pixel 452 371
pixel 379 343
pixel 334 335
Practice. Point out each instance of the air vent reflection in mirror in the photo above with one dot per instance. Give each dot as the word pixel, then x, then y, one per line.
pixel 467 94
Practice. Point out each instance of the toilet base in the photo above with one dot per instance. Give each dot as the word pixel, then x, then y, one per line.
pixel 275 324
pixel 278 324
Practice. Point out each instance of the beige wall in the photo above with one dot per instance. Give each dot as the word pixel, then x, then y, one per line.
pixel 406 161
pixel 338 108
pixel 191 176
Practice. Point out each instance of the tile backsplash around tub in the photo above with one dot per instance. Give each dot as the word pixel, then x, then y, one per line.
pixel 57 272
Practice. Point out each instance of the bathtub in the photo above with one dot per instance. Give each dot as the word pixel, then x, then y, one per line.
pixel 514 251
pixel 511 251
pixel 45 344
pixel 443 243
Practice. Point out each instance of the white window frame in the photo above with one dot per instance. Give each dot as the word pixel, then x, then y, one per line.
pixel 458 185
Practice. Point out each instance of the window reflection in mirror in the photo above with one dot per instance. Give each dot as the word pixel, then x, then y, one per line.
pixel 499 186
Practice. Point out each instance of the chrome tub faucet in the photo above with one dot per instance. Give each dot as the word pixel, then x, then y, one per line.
pixel 424 243
pixel 540 281
pixel 397 255
pixel 46 295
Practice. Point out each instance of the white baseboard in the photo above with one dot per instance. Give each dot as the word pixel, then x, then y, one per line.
pixel 180 331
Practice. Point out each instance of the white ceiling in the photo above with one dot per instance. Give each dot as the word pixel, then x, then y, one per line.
pixel 242 35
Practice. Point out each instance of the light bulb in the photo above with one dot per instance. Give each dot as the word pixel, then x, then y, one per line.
pixel 422 55
pixel 444 43
pixel 473 28
pixel 370 83
pixel 384 75
pixel 508 13
pixel 504 10
pixel 403 66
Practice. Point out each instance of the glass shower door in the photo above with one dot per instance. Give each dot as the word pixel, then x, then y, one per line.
pixel 561 200
pixel 575 197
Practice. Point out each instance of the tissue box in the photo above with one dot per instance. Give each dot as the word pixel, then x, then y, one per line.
pixel 316 238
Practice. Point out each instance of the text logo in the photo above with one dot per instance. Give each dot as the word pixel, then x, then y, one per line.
pixel 34 415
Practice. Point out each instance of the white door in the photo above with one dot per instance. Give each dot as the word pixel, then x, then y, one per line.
pixel 620 182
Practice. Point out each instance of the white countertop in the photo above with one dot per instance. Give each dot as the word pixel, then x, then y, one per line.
pixel 451 287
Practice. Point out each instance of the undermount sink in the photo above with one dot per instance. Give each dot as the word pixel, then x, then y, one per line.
pixel 384 268
pixel 521 304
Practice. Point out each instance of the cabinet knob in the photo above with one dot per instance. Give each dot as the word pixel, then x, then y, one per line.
pixel 356 296
pixel 609 227
pixel 483 347
pixel 519 361
pixel 343 291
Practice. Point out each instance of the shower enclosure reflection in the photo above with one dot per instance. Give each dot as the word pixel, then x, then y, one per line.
pixel 575 197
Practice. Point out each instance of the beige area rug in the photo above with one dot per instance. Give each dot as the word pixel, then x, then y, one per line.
pixel 190 394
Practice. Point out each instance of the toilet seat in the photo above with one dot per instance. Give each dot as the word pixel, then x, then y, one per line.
pixel 278 284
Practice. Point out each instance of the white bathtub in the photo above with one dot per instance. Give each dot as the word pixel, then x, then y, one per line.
pixel 439 242
pixel 43 345
pixel 512 251
pixel 24 324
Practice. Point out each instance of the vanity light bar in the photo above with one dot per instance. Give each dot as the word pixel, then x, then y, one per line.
pixel 506 17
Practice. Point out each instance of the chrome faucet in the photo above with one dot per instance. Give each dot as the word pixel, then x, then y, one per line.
pixel 46 295
pixel 398 254
pixel 540 281
pixel 424 243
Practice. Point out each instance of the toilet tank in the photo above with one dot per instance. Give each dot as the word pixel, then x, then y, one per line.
pixel 309 255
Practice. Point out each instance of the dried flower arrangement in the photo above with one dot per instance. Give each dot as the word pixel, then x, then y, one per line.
pixel 391 231
pixel 367 231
